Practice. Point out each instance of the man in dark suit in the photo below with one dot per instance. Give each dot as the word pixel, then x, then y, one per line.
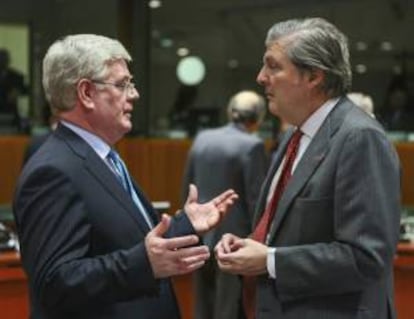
pixel 91 244
pixel 324 248
pixel 238 160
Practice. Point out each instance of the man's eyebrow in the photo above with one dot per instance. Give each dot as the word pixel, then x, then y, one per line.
pixel 127 78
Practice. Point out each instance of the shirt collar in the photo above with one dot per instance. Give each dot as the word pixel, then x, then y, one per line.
pixel 314 122
pixel 99 146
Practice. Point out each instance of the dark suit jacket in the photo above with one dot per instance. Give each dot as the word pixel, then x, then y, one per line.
pixel 82 238
pixel 34 144
pixel 336 226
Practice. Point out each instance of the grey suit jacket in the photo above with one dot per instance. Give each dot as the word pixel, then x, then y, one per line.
pixel 222 158
pixel 336 226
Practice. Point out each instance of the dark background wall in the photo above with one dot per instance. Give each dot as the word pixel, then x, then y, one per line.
pixel 217 31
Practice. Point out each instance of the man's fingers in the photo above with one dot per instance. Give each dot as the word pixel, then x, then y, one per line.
pixel 225 257
pixel 225 200
pixel 192 194
pixel 190 259
pixel 162 226
pixel 226 245
pixel 179 242
pixel 237 244
pixel 228 202
pixel 192 252
pixel 195 258
pixel 229 195
pixel 229 243
pixel 192 267
pixel 227 266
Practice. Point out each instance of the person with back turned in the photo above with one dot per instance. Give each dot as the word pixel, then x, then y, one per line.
pixel 91 243
pixel 327 221
pixel 230 156
pixel 12 86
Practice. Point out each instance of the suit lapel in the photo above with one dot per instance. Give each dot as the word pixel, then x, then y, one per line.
pixel 99 170
pixel 147 205
pixel 109 181
pixel 310 161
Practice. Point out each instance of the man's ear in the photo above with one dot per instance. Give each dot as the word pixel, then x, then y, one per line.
pixel 316 77
pixel 85 91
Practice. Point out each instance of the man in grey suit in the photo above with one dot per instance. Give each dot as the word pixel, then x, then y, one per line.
pixel 329 247
pixel 228 156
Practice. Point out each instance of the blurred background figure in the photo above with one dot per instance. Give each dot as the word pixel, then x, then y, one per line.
pixel 37 140
pixel 397 113
pixel 227 157
pixel 11 87
pixel 180 113
pixel 364 101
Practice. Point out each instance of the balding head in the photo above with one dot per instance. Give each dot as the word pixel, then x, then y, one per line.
pixel 246 107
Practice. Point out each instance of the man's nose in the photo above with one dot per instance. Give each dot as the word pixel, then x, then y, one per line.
pixel 261 77
pixel 133 93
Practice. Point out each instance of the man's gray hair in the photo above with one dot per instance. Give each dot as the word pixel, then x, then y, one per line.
pixel 76 57
pixel 315 43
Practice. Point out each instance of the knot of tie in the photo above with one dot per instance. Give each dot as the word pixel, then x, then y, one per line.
pixel 295 139
pixel 114 156
pixel 292 150
pixel 120 169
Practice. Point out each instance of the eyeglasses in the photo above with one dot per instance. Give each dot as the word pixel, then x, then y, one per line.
pixel 125 87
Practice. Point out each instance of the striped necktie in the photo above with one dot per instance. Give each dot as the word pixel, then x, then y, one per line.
pixel 124 178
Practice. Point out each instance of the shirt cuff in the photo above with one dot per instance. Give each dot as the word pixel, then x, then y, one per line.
pixel 270 262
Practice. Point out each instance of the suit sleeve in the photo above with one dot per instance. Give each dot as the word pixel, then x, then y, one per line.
pixel 180 226
pixel 364 205
pixel 188 176
pixel 54 234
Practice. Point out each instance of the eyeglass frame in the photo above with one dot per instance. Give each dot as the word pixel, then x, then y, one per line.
pixel 126 87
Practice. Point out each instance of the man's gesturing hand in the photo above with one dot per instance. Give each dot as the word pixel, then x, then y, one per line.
pixel 173 256
pixel 206 216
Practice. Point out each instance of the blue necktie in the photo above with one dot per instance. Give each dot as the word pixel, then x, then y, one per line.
pixel 123 176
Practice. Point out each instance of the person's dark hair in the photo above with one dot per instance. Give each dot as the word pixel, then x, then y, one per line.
pixel 4 58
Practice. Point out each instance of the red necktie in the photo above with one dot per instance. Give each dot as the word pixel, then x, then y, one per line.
pixel 262 228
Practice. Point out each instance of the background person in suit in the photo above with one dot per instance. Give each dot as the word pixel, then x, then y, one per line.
pixel 38 139
pixel 397 114
pixel 364 101
pixel 227 157
pixel 91 246
pixel 328 250
pixel 11 87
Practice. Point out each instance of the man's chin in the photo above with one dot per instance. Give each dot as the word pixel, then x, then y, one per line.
pixel 273 109
pixel 124 131
pixel 127 125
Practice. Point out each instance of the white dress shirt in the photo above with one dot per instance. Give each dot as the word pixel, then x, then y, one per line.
pixel 99 146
